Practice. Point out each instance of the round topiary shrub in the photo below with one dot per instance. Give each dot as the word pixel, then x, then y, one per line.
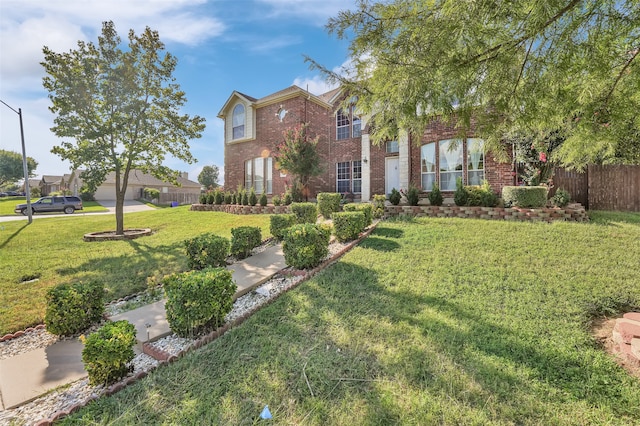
pixel 198 300
pixel 305 212
pixel 72 308
pixel 347 226
pixel 524 196
pixel 328 202
pixel 206 250
pixel 305 245
pixel 108 351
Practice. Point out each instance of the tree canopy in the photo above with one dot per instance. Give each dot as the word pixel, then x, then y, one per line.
pixel 524 66
pixel 297 154
pixel 11 167
pixel 208 177
pixel 121 108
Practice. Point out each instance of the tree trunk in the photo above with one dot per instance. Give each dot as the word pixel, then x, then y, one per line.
pixel 119 213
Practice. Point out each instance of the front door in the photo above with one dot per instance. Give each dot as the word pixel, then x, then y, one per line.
pixel 392 174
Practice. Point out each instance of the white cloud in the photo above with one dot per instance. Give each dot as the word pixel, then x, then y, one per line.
pixel 320 11
pixel 316 84
pixel 27 26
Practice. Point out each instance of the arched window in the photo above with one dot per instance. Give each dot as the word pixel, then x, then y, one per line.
pixel 238 121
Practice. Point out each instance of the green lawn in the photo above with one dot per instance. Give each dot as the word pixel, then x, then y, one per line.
pixel 436 321
pixel 7 204
pixel 52 250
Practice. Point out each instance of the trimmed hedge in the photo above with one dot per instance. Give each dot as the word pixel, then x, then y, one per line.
pixel 72 308
pixel 365 208
pixel 198 300
pixel 279 223
pixel 328 202
pixel 305 212
pixel 107 352
pixel 524 196
pixel 347 226
pixel 206 250
pixel 244 239
pixel 305 245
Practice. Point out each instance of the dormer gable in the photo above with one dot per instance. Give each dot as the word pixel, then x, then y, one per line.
pixel 239 118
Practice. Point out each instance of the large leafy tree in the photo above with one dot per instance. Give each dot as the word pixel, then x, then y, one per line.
pixel 298 154
pixel 208 177
pixel 522 66
pixel 121 107
pixel 11 167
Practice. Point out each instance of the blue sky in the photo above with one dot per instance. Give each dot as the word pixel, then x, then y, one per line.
pixel 253 46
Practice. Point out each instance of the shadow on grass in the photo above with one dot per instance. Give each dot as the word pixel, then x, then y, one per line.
pixel 127 273
pixel 379 244
pixel 612 218
pixel 15 234
pixel 510 366
pixel 386 232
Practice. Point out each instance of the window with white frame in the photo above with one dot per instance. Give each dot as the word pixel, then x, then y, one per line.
pixel 450 154
pixel 357 123
pixel 349 177
pixel 392 147
pixel 428 165
pixel 238 121
pixel 475 161
pixel 357 177
pixel 343 177
pixel 258 174
pixel 342 125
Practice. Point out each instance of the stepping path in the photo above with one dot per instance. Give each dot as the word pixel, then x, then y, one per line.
pixel 27 376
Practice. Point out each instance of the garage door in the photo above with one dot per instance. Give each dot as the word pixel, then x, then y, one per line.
pixel 108 193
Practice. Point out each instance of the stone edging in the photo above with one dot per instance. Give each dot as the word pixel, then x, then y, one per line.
pixel 573 212
pixel 208 338
pixel 20 333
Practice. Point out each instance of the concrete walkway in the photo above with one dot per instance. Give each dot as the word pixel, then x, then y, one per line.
pixel 27 376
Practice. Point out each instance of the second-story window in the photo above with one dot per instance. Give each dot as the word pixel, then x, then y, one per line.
pixel 342 125
pixel 238 121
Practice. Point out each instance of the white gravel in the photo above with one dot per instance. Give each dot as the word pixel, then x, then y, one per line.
pixel 80 391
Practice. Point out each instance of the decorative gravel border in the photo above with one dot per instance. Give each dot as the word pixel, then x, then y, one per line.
pixel 164 358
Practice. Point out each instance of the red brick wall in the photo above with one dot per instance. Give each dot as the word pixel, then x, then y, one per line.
pixel 378 165
pixel 269 132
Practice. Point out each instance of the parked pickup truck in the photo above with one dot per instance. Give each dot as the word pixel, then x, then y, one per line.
pixel 52 204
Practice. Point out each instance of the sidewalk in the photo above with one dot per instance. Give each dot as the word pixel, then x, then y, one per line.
pixel 27 376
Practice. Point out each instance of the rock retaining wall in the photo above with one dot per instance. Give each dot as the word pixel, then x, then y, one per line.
pixel 626 337
pixel 573 212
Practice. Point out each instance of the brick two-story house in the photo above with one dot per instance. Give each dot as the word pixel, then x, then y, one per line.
pixel 254 127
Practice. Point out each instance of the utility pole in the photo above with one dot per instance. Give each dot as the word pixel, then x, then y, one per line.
pixel 27 190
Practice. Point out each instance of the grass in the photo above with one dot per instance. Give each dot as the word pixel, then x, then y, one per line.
pixel 7 204
pixel 432 321
pixel 53 251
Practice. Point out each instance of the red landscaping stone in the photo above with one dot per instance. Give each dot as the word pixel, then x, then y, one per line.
pixel 626 352
pixel 635 347
pixel 628 329
pixel 635 316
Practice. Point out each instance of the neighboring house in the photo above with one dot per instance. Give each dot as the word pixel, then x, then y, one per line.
pixel 50 183
pixel 139 180
pixel 254 127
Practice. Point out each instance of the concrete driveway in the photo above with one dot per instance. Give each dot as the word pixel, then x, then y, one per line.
pixel 129 207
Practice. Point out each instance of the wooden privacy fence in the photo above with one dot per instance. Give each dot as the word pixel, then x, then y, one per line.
pixel 610 187
pixel 615 187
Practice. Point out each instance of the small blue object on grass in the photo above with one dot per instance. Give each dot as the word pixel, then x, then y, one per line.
pixel 174 204
pixel 266 414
